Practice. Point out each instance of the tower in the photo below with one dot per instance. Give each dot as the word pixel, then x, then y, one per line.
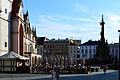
pixel 17 27
pixel 102 30
pixel 102 52
pixel 5 26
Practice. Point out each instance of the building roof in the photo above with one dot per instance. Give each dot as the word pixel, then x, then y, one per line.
pixel 59 40
pixel 115 44
pixel 72 44
pixel 12 55
pixel 90 42
pixel 40 40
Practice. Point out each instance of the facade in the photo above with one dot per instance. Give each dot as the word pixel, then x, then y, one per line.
pixel 23 36
pixel 74 55
pixel 56 52
pixel 88 50
pixel 114 50
pixel 62 52
pixel 17 27
pixel 5 25
pixel 18 36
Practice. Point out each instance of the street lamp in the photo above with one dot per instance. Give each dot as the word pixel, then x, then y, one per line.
pixel 30 54
pixel 119 51
pixel 45 60
pixel 119 42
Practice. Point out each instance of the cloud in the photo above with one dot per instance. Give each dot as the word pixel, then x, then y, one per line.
pixel 56 24
pixel 81 8
pixel 76 19
pixel 52 27
pixel 88 28
pixel 60 17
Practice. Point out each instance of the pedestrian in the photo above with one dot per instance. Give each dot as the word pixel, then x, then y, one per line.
pixel 55 75
pixel 104 69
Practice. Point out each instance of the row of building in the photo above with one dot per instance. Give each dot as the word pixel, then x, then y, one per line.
pixel 71 52
pixel 17 35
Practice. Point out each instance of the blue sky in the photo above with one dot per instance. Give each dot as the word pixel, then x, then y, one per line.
pixel 76 19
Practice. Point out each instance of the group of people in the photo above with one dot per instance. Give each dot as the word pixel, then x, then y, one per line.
pixel 55 73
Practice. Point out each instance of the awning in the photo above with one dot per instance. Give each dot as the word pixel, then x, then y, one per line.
pixel 12 55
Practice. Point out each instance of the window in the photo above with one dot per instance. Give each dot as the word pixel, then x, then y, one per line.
pixel 113 50
pixel 66 46
pixel 44 46
pixel 116 50
pixel 86 51
pixel 74 51
pixel 90 51
pixel 78 51
pixel 5 44
pixel 90 56
pixel 94 51
pixel 53 46
pixel 82 51
pixel 78 55
pixel 6 11
pixel 48 46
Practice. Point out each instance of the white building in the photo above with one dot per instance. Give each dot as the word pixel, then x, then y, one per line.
pixel 73 53
pixel 114 50
pixel 88 49
pixel 5 25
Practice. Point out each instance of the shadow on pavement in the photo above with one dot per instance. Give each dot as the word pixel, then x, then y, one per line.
pixel 101 76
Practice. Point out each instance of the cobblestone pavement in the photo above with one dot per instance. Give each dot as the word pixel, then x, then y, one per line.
pixel 110 75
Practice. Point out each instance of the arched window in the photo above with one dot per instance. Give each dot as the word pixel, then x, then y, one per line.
pixel 21 40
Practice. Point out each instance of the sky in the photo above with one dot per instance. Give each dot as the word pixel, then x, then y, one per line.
pixel 74 19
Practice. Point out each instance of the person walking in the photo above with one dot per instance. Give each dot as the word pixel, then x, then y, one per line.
pixel 55 75
pixel 104 69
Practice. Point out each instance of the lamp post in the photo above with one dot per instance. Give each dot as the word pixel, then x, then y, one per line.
pixel 119 43
pixel 119 52
pixel 30 54
pixel 45 60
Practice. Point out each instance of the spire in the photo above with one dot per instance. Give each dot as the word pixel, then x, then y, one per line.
pixel 102 29
pixel 102 21
pixel 32 28
pixel 27 13
pixel 35 31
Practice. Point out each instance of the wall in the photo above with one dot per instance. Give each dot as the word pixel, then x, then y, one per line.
pixel 5 26
pixel 87 54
